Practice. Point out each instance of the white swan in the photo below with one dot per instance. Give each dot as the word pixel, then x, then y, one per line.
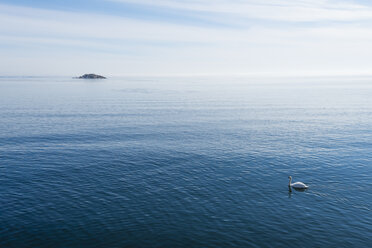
pixel 297 185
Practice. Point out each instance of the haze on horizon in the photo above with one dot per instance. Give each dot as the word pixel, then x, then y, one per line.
pixel 179 37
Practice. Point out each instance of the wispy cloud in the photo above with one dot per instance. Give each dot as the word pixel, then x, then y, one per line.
pixel 279 36
pixel 279 10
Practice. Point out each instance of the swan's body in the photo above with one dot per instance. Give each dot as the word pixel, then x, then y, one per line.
pixel 297 185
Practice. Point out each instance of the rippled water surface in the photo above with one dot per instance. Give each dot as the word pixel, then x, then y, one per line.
pixel 185 162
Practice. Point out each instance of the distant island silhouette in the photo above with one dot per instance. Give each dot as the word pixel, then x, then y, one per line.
pixel 91 76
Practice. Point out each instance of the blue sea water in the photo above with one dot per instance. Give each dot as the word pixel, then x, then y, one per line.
pixel 185 162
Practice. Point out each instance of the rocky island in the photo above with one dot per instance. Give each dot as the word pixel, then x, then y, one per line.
pixel 91 76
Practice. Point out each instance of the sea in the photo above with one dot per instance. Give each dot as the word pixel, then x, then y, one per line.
pixel 185 162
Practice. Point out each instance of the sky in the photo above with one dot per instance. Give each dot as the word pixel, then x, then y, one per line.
pixel 185 37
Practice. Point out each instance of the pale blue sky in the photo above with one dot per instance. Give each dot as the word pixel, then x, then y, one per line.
pixel 179 37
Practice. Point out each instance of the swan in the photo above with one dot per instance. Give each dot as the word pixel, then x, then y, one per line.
pixel 297 185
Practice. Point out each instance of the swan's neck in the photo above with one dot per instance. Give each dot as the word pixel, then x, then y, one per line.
pixel 290 180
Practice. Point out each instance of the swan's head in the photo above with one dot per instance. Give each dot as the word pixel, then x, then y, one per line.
pixel 290 177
